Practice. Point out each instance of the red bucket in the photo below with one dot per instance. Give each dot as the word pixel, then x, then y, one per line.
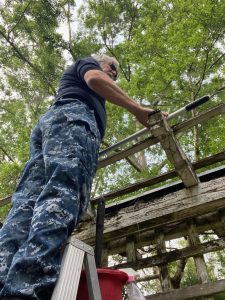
pixel 111 283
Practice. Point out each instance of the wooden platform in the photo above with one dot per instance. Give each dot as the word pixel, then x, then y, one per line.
pixel 185 209
pixel 151 222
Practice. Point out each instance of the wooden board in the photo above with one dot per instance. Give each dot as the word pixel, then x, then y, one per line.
pixel 163 132
pixel 157 260
pixel 149 141
pixel 190 292
pixel 174 207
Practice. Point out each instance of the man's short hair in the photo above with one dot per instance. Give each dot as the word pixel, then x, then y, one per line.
pixel 104 57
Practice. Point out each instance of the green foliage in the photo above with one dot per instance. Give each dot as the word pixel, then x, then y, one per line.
pixel 220 296
pixel 190 277
pixel 170 53
pixel 4 211
pixel 9 174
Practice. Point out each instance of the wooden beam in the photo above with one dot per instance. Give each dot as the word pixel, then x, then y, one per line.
pixel 163 132
pixel 190 292
pixel 136 186
pixel 164 277
pixel 105 256
pixel 199 119
pixel 147 278
pixel 199 260
pixel 149 141
pixel 190 251
pixel 130 250
pixel 222 218
pixel 147 237
pixel 132 160
pixel 174 207
pixel 127 152
pixel 207 161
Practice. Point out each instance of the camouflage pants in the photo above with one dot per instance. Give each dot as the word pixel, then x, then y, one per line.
pixel 52 194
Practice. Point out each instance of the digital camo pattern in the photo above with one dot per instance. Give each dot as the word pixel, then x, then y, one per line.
pixel 50 198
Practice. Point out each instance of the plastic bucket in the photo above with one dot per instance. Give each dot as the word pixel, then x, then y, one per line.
pixel 111 283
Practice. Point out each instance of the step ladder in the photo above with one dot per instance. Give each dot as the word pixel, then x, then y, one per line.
pixel 76 255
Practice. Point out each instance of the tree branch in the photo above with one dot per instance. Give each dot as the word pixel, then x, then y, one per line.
pixel 31 65
pixel 133 17
pixel 178 275
pixel 104 37
pixel 203 74
pixel 8 111
pixel 20 18
pixel 216 61
pixel 6 154
pixel 114 55
pixel 218 91
pixel 69 44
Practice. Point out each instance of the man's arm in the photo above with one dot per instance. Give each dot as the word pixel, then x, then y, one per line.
pixel 104 86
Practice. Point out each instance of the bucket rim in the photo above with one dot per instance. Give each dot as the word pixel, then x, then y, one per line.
pixel 123 276
pixel 114 274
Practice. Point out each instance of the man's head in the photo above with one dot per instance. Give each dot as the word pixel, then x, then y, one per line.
pixel 108 64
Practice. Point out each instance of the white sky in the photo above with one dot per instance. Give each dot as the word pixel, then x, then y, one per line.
pixel 63 28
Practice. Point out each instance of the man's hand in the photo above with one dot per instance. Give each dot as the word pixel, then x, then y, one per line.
pixel 143 114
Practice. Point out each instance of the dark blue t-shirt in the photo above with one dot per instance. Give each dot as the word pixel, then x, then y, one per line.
pixel 73 85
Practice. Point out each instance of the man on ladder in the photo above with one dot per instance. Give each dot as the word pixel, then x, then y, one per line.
pixel 54 189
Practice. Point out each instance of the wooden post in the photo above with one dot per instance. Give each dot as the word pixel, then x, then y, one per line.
pixel 130 250
pixel 220 231
pixel 105 254
pixel 163 270
pixel 199 260
pixel 223 222
pixel 162 131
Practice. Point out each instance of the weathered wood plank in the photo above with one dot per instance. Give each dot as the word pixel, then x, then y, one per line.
pixel 130 250
pixel 207 161
pixel 148 238
pixel 175 255
pixel 105 255
pixel 163 132
pixel 222 219
pixel 190 292
pixel 210 160
pixel 199 260
pixel 164 277
pixel 200 264
pixel 147 278
pixel 215 111
pixel 136 186
pixel 201 118
pixel 177 206
pixel 127 152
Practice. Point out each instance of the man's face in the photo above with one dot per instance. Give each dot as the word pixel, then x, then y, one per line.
pixel 110 68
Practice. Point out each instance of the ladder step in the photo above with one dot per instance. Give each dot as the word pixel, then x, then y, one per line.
pixel 75 255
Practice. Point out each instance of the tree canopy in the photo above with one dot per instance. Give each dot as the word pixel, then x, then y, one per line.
pixel 170 53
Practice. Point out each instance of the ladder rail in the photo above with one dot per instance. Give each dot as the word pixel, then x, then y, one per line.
pixel 92 278
pixel 76 255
